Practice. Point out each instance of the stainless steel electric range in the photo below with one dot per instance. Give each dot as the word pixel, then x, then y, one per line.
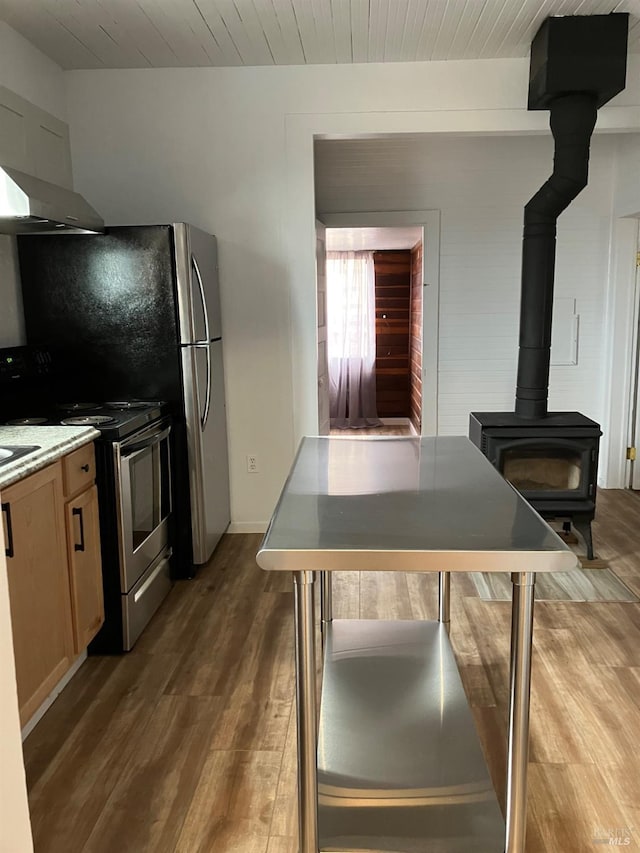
pixel 133 475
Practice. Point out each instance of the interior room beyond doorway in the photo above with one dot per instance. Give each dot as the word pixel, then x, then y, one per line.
pixel 389 353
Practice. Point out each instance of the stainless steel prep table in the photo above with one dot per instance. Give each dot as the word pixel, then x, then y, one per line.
pixel 395 764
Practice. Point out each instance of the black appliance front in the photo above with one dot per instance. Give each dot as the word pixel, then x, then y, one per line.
pixel 106 303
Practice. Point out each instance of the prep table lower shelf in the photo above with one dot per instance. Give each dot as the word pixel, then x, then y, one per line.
pixel 400 766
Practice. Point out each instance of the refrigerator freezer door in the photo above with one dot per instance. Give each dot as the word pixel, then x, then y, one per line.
pixel 197 283
pixel 106 305
pixel 204 259
pixel 207 446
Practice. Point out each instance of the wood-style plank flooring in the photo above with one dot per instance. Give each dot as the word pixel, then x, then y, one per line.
pixel 385 431
pixel 188 743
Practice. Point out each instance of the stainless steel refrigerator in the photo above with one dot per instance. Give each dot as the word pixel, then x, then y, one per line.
pixel 135 313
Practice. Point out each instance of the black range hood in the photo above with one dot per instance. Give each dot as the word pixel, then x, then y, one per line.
pixel 578 63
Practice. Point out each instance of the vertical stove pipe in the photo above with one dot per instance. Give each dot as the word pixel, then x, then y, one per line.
pixel 573 118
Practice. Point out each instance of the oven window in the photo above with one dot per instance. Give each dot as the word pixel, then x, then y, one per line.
pixel 149 494
pixel 542 469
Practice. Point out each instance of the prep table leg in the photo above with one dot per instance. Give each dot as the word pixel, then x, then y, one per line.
pixel 519 695
pixel 444 599
pixel 326 603
pixel 306 706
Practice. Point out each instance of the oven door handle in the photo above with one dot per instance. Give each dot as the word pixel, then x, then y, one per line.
pixel 136 447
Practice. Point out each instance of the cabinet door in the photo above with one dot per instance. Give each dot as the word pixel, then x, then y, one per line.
pixel 33 514
pixel 34 141
pixel 85 567
pixel 13 131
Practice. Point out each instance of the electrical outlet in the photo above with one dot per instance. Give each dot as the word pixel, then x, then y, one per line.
pixel 252 464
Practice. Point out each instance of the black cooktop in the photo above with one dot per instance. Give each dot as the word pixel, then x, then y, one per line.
pixel 37 387
pixel 115 420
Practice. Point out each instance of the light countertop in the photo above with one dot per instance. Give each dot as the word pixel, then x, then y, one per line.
pixel 53 442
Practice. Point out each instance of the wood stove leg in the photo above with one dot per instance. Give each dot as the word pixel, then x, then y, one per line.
pixel 584 527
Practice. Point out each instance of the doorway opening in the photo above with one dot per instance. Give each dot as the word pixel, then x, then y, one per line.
pixel 374 330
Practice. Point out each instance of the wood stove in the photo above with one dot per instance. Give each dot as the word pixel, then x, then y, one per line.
pixel 551 461
pixel 578 63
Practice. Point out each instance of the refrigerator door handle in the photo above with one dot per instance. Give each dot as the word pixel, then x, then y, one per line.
pixel 204 417
pixel 203 299
pixel 207 399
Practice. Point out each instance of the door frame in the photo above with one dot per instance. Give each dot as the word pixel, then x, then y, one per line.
pixel 633 465
pixel 621 325
pixel 322 361
pixel 429 221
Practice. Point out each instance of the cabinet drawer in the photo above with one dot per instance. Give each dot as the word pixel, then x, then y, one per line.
pixel 79 470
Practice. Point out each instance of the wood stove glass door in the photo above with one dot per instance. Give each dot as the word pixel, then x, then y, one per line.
pixel 546 469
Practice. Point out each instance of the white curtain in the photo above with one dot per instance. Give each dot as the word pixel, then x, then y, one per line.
pixel 351 339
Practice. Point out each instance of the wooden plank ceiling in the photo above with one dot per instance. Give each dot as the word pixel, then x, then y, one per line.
pixel 189 33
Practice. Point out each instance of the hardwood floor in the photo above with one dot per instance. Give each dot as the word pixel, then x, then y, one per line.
pixel 385 431
pixel 187 744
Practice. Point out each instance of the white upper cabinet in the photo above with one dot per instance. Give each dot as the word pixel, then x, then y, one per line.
pixel 33 140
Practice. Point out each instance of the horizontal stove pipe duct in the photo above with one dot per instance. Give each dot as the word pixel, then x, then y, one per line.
pixel 573 119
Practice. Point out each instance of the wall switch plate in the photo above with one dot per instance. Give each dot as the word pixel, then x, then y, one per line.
pixel 252 464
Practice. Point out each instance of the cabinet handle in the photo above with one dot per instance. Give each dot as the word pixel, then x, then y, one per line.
pixel 78 511
pixel 85 468
pixel 9 549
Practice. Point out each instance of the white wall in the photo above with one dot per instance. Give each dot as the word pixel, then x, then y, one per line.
pixel 15 829
pixel 627 184
pixel 32 75
pixel 11 317
pixel 231 150
pixel 480 185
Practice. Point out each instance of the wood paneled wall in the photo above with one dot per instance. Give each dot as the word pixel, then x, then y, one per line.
pixel 415 340
pixel 393 311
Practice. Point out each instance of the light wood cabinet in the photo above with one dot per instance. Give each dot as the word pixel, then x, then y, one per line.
pixel 52 539
pixel 33 514
pixel 83 544
pixel 79 470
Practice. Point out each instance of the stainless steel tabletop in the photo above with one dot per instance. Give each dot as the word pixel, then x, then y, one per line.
pixel 407 505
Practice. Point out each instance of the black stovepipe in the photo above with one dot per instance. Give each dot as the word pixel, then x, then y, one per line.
pixel 572 120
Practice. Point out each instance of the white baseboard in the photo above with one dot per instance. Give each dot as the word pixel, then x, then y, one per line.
pixel 400 422
pixel 248 527
pixel 51 698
